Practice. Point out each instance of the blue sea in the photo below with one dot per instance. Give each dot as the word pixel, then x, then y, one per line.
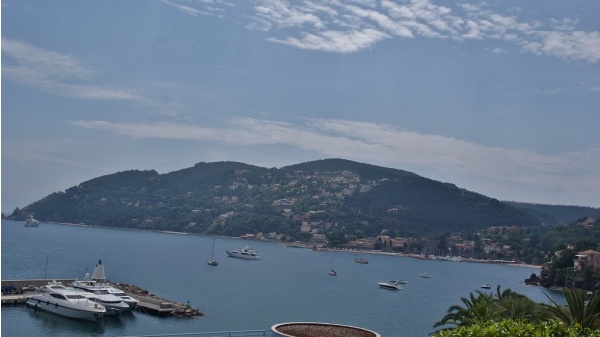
pixel 287 285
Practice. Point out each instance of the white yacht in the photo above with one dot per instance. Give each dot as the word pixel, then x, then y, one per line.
pixel 425 275
pixel 244 253
pixel 97 284
pixel 392 285
pixel 31 222
pixel 114 305
pixel 104 289
pixel 68 302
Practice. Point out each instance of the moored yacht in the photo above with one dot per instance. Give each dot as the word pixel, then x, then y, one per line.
pixel 244 253
pixel 98 285
pixel 68 302
pixel 104 289
pixel 114 305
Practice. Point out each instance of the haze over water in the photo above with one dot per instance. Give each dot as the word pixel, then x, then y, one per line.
pixel 286 285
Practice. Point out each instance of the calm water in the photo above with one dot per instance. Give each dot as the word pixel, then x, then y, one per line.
pixel 288 284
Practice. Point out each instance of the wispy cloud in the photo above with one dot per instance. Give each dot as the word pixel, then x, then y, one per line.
pixel 39 151
pixel 184 9
pixel 352 26
pixel 56 73
pixel 370 142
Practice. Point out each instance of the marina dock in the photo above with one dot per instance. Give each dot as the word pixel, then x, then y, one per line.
pixel 148 302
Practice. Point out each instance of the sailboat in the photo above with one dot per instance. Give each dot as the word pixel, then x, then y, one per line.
pixel 361 260
pixel 211 258
pixel 332 272
pixel 98 274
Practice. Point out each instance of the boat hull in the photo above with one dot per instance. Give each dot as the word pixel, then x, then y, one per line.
pixel 93 287
pixel 87 312
pixel 388 286
pixel 240 256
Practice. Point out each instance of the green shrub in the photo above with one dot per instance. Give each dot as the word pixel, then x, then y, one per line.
pixel 516 328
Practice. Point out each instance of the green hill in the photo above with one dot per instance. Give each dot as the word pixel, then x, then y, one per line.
pixel 230 198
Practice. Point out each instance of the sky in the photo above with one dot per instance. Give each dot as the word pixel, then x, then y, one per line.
pixel 501 98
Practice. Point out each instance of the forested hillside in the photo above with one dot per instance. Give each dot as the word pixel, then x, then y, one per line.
pixel 230 198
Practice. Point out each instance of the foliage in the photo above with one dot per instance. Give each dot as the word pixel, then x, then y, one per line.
pixel 483 307
pixel 508 313
pixel 585 313
pixel 519 328
pixel 344 198
pixel 341 198
pixel 556 214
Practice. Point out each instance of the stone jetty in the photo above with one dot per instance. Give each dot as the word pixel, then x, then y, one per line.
pixel 156 305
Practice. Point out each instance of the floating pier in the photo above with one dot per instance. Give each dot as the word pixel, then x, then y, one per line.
pixel 148 302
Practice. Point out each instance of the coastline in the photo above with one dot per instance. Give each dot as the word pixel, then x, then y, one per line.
pixel 308 246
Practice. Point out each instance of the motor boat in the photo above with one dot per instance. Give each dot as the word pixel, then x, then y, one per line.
pixel 66 301
pixel 114 305
pixel 425 275
pixel 486 286
pixel 401 281
pixel 31 222
pixel 97 285
pixel 333 273
pixel 244 253
pixel 107 290
pixel 392 285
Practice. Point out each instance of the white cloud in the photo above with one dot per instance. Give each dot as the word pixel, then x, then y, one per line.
pixel 184 9
pixel 576 45
pixel 331 26
pixel 55 73
pixel 336 41
pixel 372 142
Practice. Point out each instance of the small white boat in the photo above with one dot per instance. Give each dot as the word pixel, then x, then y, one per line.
pixel 401 281
pixel 425 275
pixel 244 253
pixel 392 285
pixel 31 222
pixel 68 302
pixel 486 286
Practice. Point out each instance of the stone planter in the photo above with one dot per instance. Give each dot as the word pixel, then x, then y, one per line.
pixel 312 329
